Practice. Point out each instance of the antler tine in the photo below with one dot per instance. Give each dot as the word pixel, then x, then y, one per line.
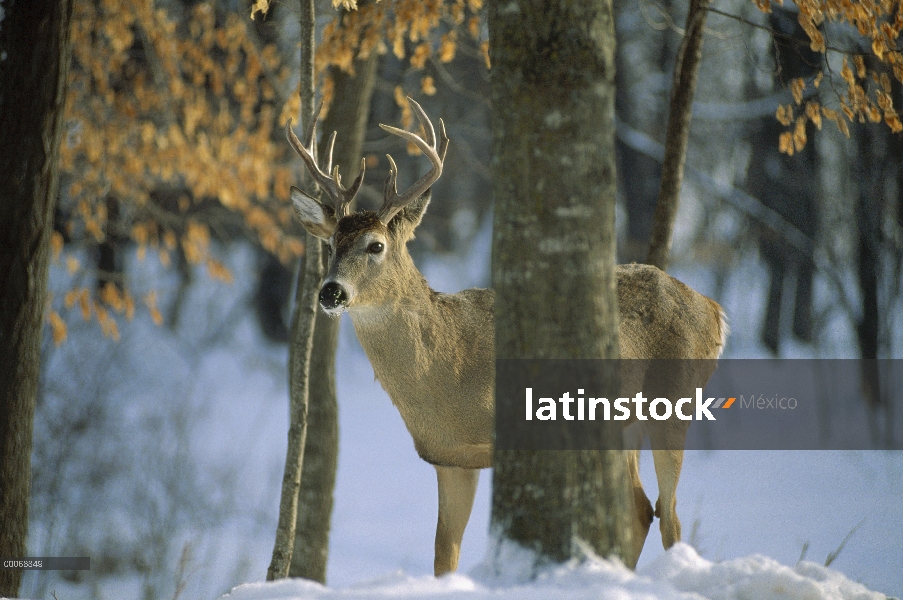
pixel 329 148
pixel 443 141
pixel 329 183
pixel 424 122
pixel 393 202
pixel 311 132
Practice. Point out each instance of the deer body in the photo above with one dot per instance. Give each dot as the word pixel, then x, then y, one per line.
pixel 431 357
pixel 434 353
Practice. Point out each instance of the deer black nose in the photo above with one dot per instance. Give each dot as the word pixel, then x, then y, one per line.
pixel 332 295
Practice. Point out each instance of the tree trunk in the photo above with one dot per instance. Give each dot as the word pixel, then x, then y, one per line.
pixel 554 187
pixel 302 337
pixel 347 117
pixel 788 185
pixel 34 64
pixel 683 88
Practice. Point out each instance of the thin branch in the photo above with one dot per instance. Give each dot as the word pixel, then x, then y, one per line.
pixel 680 110
pixel 449 80
pixel 748 205
pixel 784 36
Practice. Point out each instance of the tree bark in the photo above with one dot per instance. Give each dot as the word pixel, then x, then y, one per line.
pixel 686 73
pixel 302 338
pixel 348 118
pixel 553 253
pixel 34 64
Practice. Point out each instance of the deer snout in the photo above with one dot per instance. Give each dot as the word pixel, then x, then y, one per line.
pixel 333 296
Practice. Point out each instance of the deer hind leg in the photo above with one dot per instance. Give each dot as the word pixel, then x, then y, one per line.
pixel 642 515
pixel 457 488
pixel 667 471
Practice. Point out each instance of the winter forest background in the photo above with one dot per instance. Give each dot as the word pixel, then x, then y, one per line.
pixel 160 425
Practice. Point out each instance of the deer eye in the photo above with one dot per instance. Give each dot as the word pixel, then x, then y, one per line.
pixel 375 248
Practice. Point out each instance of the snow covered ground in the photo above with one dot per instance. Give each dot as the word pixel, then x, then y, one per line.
pixel 681 574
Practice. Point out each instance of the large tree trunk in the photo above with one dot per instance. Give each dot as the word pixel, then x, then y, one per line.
pixel 34 63
pixel 553 254
pixel 347 117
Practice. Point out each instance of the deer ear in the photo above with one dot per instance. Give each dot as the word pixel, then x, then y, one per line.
pixel 411 215
pixel 317 219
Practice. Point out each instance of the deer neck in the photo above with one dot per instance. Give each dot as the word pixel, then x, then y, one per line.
pixel 400 333
pixel 408 296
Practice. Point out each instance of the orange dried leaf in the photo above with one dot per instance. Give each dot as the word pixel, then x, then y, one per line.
pixel 294 246
pixel 420 56
pixel 473 27
pixel 874 115
pixel 70 298
pixel 150 301
pixel 785 143
pixel 879 47
pixel 448 47
pixel 111 295
pixel 484 49
pixel 57 327
pixel 859 61
pixel 56 245
pixel 846 73
pixel 784 114
pixel 814 113
pixel 218 271
pixel 72 264
pixel 842 126
pixel 796 87
pixel 428 86
pixel 799 134
pixel 398 45
pixel 84 303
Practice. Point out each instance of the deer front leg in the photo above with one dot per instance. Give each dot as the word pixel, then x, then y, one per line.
pixel 457 488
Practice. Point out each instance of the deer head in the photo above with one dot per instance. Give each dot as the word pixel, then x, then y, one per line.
pixel 369 264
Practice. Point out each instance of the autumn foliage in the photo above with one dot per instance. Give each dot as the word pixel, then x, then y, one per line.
pixel 869 68
pixel 174 121
pixel 174 132
pixel 167 118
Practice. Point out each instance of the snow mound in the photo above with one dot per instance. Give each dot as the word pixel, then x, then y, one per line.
pixel 679 574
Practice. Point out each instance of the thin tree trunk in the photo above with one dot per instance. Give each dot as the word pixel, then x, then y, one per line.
pixel 686 73
pixel 553 255
pixel 301 339
pixel 34 63
pixel 869 204
pixel 348 117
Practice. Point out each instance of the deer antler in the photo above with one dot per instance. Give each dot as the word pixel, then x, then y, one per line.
pixel 331 184
pixel 393 202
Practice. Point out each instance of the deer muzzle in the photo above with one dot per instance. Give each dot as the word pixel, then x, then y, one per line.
pixel 333 297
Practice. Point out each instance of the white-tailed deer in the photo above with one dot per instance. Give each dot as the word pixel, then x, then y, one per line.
pixel 434 353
